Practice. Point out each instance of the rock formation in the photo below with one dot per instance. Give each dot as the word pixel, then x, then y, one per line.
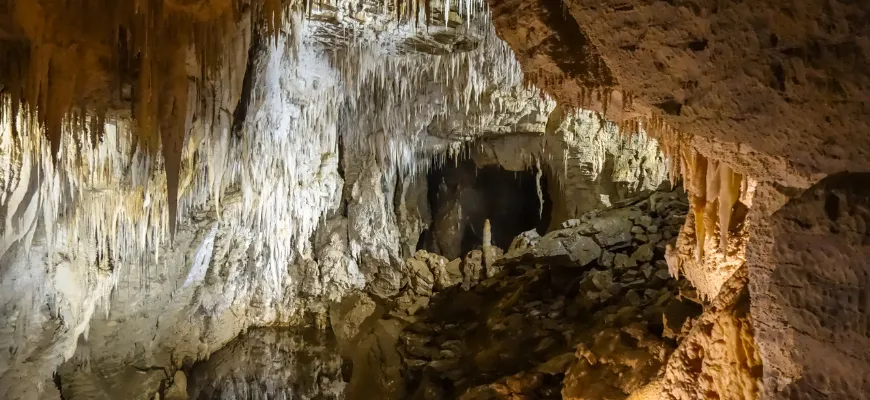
pixel 261 198
pixel 777 99
pixel 574 313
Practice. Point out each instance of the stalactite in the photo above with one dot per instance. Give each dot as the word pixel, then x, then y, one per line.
pixel 117 193
pixel 554 121
pixel 61 77
pixel 538 176
pixel 713 187
pixel 730 188
pixel 697 186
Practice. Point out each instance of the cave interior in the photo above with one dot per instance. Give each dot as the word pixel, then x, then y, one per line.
pixel 489 199
pixel 462 193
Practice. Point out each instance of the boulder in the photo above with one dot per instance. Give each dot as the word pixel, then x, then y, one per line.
pixel 606 259
pixel 644 220
pixel 471 269
pixel 522 242
pixel 602 280
pixel 550 246
pixel 643 253
pixel 612 230
pixel 445 274
pixel 622 261
pixel 450 275
pixel 347 317
pixel 421 278
pixel 584 251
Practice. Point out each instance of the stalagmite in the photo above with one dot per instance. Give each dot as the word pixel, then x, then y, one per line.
pixel 251 167
pixel 488 251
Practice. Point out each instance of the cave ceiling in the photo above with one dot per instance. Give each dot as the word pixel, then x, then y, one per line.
pixel 209 166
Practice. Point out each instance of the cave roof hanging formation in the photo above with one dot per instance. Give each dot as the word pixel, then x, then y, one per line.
pixel 176 172
pixel 192 42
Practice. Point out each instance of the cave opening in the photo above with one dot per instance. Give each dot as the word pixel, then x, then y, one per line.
pixel 463 195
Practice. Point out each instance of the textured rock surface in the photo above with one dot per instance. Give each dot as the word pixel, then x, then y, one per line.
pixel 299 162
pixel 718 359
pixel 548 325
pixel 780 95
pixel 722 71
pixel 299 183
pixel 301 365
pixel 588 163
pixel 809 283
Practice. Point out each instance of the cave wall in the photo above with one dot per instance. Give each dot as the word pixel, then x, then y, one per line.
pixel 786 81
pixel 588 163
pixel 810 292
pixel 464 196
pixel 776 92
pixel 296 186
pixel 243 253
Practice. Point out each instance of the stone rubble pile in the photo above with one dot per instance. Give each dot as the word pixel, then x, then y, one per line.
pixel 588 311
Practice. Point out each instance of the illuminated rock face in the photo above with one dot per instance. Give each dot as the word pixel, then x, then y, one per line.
pixel 571 314
pixel 811 284
pixel 777 103
pixel 298 184
pixel 184 170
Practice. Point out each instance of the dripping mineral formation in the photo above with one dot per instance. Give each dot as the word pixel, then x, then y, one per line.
pixel 430 200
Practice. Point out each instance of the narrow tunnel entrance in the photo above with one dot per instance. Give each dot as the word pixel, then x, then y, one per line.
pixel 463 196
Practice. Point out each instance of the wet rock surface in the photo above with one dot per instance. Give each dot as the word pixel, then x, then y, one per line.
pixel 302 364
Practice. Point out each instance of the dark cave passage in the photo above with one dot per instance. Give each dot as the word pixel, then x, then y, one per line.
pixel 463 196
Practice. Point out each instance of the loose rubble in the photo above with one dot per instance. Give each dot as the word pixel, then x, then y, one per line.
pixel 588 311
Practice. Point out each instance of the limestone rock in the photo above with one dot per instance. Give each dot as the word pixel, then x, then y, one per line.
pixel 347 316
pixel 419 304
pixel 603 280
pixel 654 238
pixel 412 211
pixel 550 246
pixel 622 261
pixel 643 253
pixel 522 242
pixel 644 220
pixel 471 269
pixel 613 230
pixel 178 389
pixel 808 289
pixel 271 167
pixel 719 355
pixel 611 369
pixel 606 259
pixel 584 251
pixel 532 311
pixel 421 278
pixel 444 274
pixel 447 274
